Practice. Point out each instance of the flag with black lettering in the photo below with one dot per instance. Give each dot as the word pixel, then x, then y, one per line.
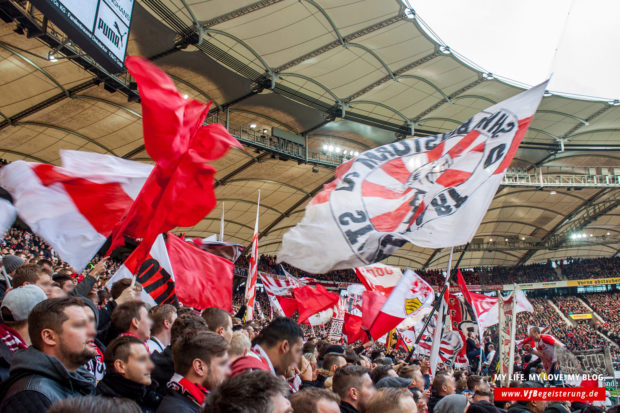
pixel 431 191
pixel 155 275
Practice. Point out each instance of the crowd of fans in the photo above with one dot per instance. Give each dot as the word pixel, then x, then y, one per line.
pixel 569 268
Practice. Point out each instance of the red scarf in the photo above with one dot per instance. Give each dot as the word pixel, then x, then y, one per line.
pixel 194 392
pixel 12 338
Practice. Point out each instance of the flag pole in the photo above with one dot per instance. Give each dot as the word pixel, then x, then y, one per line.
pixel 437 302
pixel 439 327
pixel 222 224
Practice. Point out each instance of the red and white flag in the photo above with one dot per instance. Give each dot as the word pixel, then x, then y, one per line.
pixel 280 293
pixel 74 208
pixel 250 285
pixel 311 301
pixel 487 308
pixel 379 277
pixel 410 295
pixel 178 271
pixel 431 191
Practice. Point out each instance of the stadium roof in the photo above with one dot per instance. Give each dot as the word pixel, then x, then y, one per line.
pixel 351 74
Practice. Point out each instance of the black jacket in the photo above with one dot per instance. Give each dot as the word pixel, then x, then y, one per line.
pixel 175 402
pixel 347 408
pixel 115 385
pixel 164 369
pixel 37 381
pixel 432 402
pixel 518 408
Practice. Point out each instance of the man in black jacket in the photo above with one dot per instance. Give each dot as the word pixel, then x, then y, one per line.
pixel 201 364
pixel 354 386
pixel 128 373
pixel 48 371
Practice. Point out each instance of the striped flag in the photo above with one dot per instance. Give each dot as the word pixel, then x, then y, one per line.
pixel 250 285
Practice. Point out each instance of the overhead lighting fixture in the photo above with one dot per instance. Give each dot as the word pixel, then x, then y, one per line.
pixel 51 57
pixel 615 102
pixel 522 238
pixel 331 148
pixel 409 13
pixel 445 49
pixel 337 149
pixel 488 76
pixel 265 130
pixel 185 96
pixel 252 125
pixel 325 147
pixel 547 93
pixel 506 239
pixel 608 233
pixel 552 192
pixel 356 153
pixel 490 239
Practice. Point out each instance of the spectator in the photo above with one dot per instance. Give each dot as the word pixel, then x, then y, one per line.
pixel 16 306
pixel 163 317
pixel 392 400
pixel 482 400
pixel 62 341
pixel 132 318
pixel 443 385
pixel 128 373
pixel 355 388
pixel 184 326
pixel 219 321
pixel 452 403
pixel 10 263
pixel 239 346
pixel 382 371
pixel 314 400
pixel 65 282
pixel 278 346
pixel 33 274
pixel 331 363
pixel 250 392
pixel 200 364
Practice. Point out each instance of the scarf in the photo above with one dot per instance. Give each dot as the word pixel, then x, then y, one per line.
pixel 11 338
pixel 195 392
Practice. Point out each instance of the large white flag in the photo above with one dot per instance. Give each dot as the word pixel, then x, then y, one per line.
pixel 432 191
pixel 487 307
pixel 379 277
pixel 74 208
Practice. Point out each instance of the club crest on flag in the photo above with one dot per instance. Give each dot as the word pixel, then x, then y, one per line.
pixel 412 305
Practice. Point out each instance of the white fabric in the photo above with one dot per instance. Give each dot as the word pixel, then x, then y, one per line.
pixel 415 182
pixel 8 213
pixel 380 277
pixel 50 212
pixel 490 316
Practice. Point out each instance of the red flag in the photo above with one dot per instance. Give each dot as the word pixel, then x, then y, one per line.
pixel 313 300
pixel 202 279
pixel 463 286
pixel 352 328
pixel 372 302
pixel 179 191
pixel 289 305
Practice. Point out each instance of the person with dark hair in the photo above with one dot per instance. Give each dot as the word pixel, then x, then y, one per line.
pixel 392 400
pixel 200 364
pixel 132 318
pixel 96 365
pixel 277 347
pixel 355 388
pixel 121 292
pixel 443 385
pixel 331 363
pixel 219 321
pixel 46 264
pixel 64 281
pixel 128 373
pixel 48 371
pixel 382 371
pixel 251 392
pixel 95 404
pixel 185 325
pixel 314 400
pixel 163 317
pixel 481 401
pixel 33 274
pixel 16 306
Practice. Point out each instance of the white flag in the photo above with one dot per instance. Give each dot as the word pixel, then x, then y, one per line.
pixel 431 191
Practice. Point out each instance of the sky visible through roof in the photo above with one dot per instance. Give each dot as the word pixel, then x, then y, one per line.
pixel 524 41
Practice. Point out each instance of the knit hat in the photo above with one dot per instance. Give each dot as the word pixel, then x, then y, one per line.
pixel 19 302
pixel 390 381
pixel 453 403
pixel 11 263
pixel 482 407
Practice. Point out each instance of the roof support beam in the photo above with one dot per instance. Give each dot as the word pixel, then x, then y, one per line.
pixel 560 224
pixel 242 11
pixel 451 97
pixel 47 102
pixel 336 43
pixel 240 169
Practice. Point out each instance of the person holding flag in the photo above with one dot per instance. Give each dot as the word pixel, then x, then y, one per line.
pixel 546 347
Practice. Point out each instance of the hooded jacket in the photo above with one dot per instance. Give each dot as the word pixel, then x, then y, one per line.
pixel 115 385
pixel 38 380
